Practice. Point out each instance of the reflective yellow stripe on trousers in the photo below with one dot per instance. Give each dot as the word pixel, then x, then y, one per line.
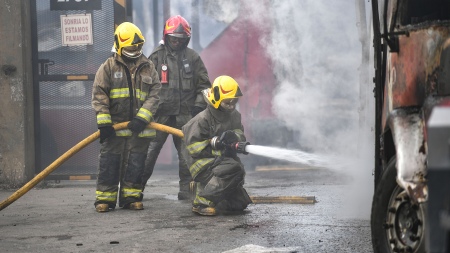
pixel 106 196
pixel 131 192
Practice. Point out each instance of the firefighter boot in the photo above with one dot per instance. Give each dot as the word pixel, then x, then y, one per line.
pixel 201 205
pixel 135 206
pixel 204 210
pixel 184 193
pixel 101 208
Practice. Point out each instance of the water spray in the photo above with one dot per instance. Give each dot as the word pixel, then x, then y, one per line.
pixel 295 156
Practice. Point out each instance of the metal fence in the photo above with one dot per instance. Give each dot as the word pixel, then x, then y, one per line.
pixel 64 84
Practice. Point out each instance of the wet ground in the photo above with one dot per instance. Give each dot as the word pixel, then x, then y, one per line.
pixel 61 218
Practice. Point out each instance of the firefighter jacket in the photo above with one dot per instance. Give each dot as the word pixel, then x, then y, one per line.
pixel 119 93
pixel 183 76
pixel 199 131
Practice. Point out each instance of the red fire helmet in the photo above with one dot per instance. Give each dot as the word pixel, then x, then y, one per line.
pixel 178 27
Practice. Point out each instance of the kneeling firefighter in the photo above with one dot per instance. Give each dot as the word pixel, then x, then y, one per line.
pixel 213 138
pixel 125 88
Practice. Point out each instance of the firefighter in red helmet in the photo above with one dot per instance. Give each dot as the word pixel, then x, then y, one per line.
pixel 183 76
pixel 125 88
pixel 210 139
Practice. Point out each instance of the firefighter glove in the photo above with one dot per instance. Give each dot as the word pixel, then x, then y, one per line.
pixel 230 151
pixel 106 132
pixel 196 110
pixel 137 125
pixel 228 137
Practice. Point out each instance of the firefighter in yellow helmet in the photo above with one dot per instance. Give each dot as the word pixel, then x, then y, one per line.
pixel 125 88
pixel 212 139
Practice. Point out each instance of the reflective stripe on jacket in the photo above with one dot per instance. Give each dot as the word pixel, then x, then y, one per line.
pixel 199 131
pixel 119 95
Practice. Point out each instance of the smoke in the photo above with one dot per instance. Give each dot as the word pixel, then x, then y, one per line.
pixel 315 50
pixel 223 10
pixel 316 53
pixel 317 56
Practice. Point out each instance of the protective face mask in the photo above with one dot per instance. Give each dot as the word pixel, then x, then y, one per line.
pixel 132 52
pixel 228 104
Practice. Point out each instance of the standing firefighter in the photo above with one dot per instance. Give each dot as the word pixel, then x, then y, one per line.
pixel 183 77
pixel 212 139
pixel 125 88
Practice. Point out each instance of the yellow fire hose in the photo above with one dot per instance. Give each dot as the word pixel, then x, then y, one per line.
pixel 53 166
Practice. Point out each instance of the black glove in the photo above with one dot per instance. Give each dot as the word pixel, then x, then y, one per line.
pixel 106 132
pixel 196 110
pixel 137 125
pixel 230 151
pixel 228 137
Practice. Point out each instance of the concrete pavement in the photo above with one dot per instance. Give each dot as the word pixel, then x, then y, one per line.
pixel 61 218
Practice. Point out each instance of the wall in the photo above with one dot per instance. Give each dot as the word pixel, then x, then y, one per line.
pixel 17 156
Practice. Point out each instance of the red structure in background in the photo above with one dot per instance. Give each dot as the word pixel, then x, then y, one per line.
pixel 237 52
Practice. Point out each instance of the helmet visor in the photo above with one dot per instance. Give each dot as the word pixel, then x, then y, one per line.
pixel 176 42
pixel 132 51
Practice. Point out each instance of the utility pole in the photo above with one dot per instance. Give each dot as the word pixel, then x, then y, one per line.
pixel 363 68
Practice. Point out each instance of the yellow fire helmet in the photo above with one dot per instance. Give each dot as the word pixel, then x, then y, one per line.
pixel 223 87
pixel 128 40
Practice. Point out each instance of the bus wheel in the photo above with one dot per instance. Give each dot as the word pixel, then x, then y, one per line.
pixel 397 224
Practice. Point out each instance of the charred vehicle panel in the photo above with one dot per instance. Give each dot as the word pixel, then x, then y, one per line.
pixel 411 42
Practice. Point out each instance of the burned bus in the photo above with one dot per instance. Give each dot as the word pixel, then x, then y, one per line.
pixel 412 79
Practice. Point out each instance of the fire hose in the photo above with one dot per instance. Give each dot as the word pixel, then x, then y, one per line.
pixel 239 147
pixel 53 166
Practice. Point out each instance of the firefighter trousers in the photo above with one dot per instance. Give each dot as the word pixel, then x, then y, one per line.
pixel 155 148
pixel 121 160
pixel 221 186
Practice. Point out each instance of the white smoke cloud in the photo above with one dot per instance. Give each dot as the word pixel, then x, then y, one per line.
pixel 223 10
pixel 315 48
pixel 316 55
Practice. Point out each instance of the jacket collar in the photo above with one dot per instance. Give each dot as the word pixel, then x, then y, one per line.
pixel 139 61
pixel 219 115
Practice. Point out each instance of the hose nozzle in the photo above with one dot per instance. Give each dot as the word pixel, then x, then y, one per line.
pixel 240 147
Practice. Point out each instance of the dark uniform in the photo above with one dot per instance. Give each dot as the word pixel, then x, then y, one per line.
pixel 219 177
pixel 183 76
